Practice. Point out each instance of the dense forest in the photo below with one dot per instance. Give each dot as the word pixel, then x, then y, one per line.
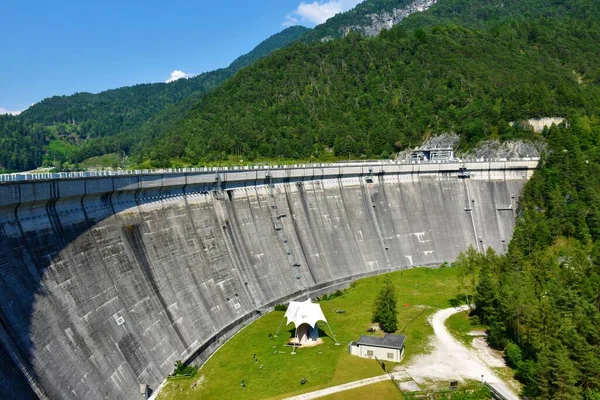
pixel 542 300
pixel 370 97
pixel 114 111
pixel 20 144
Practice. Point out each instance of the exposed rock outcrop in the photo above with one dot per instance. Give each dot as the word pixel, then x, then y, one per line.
pixel 386 20
pixel 538 125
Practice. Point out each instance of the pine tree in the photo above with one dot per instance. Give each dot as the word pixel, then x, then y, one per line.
pixel 486 295
pixel 385 312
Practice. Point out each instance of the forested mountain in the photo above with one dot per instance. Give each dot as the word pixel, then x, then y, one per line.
pixel 370 96
pixel 114 111
pixel 20 144
pixel 73 128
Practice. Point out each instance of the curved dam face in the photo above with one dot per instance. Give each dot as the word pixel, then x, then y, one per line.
pixel 106 282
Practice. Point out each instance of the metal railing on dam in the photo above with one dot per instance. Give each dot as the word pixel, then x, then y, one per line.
pixel 20 177
pixel 158 184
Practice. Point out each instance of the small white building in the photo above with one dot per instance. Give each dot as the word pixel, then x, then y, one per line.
pixel 387 348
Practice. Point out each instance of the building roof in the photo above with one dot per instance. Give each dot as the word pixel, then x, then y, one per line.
pixel 304 312
pixel 389 341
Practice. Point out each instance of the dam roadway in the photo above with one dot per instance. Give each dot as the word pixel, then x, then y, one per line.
pixel 107 279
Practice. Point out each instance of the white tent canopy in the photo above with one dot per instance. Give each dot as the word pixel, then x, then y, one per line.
pixel 304 312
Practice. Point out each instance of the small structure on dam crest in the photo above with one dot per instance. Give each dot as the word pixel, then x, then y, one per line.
pixel 305 315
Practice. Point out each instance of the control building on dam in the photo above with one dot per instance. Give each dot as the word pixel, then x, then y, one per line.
pixel 107 281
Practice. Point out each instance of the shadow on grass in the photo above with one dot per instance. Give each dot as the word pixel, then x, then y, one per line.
pixel 458 301
pixel 322 333
pixel 412 320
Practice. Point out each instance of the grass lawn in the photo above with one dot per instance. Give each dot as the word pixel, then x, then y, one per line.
pixel 382 390
pixel 278 373
pixel 460 325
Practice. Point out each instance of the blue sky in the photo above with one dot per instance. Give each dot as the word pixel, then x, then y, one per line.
pixel 56 47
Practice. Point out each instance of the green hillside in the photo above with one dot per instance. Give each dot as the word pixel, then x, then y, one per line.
pixel 74 128
pixel 117 110
pixel 369 97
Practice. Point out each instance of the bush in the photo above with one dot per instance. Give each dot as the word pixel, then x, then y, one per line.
pixel 182 369
pixel 281 307
pixel 337 293
pixel 513 355
pixel 497 335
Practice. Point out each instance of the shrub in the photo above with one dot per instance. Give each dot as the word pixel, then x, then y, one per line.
pixel 281 307
pixel 182 369
pixel 513 355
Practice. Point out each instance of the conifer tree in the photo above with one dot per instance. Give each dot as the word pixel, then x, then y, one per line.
pixel 486 295
pixel 385 312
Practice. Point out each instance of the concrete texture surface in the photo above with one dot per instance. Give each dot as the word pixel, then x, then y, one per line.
pixel 106 282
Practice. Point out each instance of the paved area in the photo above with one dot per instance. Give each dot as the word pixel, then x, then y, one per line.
pixel 346 386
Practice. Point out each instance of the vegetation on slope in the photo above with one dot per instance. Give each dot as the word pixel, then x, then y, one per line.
pixel 542 300
pixel 465 66
pixel 118 110
pixel 20 144
pixel 370 97
pixel 85 125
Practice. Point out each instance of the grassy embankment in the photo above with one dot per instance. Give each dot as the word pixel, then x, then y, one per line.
pixel 278 373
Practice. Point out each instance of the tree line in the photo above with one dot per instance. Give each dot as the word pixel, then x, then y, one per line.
pixel 541 300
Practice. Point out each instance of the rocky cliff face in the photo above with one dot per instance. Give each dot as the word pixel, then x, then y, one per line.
pixel 386 20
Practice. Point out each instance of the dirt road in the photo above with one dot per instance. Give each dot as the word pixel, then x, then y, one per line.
pixel 451 360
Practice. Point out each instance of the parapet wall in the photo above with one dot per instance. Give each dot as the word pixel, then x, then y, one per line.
pixel 105 282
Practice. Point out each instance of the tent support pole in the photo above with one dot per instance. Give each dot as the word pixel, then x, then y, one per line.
pixel 278 329
pixel 296 337
pixel 332 334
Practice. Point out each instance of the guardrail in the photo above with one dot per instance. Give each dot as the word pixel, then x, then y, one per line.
pixel 495 393
pixel 19 177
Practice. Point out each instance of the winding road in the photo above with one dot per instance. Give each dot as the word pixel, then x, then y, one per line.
pixel 450 359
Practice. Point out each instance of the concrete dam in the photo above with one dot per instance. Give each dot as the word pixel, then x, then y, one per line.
pixel 107 281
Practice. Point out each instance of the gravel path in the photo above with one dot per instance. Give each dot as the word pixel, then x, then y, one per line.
pixel 344 387
pixel 451 360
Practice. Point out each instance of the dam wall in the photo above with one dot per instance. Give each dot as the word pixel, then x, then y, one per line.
pixel 107 281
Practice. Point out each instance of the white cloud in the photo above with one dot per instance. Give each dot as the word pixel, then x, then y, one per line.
pixel 319 11
pixel 175 75
pixel 5 111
